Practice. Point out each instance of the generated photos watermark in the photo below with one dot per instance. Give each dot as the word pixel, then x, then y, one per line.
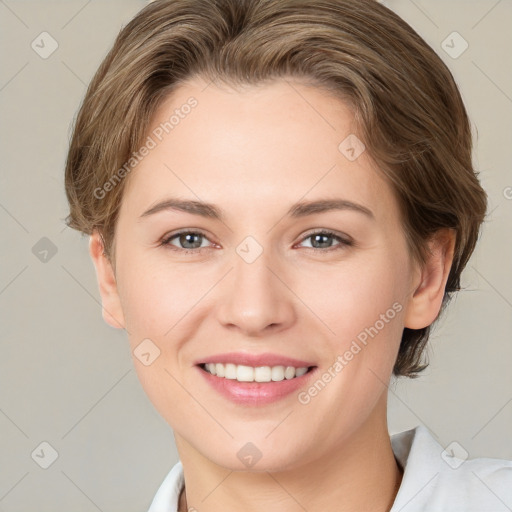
pixel 150 143
pixel 342 360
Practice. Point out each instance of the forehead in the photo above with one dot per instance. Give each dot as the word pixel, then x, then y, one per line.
pixel 253 146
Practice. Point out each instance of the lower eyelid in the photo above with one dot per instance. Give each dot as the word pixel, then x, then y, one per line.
pixel 342 242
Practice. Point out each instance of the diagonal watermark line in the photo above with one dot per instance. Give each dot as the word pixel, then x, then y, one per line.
pixel 199 403
pixel 93 297
pixel 165 165
pixel 207 85
pixel 396 395
pixel 88 497
pixel 13 13
pixel 214 489
pixel 501 409
pixel 286 491
pixel 492 286
pixel 198 301
pixel 75 15
pixel 485 15
pixel 301 300
pixel 508 508
pixel 14 76
pixel 309 104
pixel 104 395
pixel 492 211
pixel 14 485
pixel 14 218
pixel 424 13
pixel 492 81
pixel 13 279
pixel 74 73
pixel 278 424
pixel 13 423
pixel 304 195
pixel 416 494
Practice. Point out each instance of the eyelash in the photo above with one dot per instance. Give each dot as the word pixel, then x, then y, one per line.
pixel 344 242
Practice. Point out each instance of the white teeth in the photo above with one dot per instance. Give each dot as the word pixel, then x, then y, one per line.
pixel 262 374
pixel 243 373
pixel 277 373
pixel 290 372
pixel 220 370
pixel 230 371
pixel 300 371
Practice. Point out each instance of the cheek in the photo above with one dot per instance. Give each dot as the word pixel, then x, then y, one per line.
pixel 156 297
pixel 158 301
pixel 351 298
pixel 363 309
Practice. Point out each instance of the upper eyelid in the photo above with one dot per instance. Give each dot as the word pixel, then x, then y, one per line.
pixel 341 237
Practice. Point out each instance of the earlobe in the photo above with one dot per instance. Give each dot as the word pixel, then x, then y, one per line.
pixel 111 305
pixel 427 295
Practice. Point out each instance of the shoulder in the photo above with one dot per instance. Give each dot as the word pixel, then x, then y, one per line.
pixel 442 479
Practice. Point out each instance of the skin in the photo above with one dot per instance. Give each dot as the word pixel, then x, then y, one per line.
pixel 254 152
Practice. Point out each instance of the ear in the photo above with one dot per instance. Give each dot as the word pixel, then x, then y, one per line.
pixel 111 305
pixel 430 281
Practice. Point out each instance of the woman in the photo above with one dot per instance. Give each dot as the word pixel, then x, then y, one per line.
pixel 280 200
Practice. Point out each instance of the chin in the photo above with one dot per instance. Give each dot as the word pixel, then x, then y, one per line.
pixel 257 459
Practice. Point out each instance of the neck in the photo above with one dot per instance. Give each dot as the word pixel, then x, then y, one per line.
pixel 360 474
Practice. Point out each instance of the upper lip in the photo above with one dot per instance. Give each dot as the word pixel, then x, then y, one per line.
pixel 265 359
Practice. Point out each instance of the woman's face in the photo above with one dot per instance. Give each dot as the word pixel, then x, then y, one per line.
pixel 255 280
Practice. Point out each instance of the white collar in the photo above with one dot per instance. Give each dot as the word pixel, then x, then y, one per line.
pixel 433 479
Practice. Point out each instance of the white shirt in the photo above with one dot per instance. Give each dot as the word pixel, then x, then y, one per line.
pixel 433 479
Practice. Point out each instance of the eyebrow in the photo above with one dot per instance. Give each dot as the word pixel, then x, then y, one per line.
pixel 300 209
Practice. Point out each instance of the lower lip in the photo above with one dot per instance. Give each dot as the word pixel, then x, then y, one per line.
pixel 255 393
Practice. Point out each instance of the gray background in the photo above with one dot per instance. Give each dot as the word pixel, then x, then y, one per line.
pixel 66 378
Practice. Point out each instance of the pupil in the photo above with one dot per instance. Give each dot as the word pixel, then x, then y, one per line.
pixel 186 239
pixel 323 244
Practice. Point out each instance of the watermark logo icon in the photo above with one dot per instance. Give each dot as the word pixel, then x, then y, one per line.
pixel 351 147
pixel 44 250
pixel 454 45
pixel 249 249
pixel 454 455
pixel 146 352
pixel 44 455
pixel 249 455
pixel 44 45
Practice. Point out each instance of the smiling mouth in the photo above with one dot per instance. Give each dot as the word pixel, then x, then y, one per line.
pixel 243 373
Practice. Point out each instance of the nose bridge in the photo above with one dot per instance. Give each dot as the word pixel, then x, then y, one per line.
pixel 255 298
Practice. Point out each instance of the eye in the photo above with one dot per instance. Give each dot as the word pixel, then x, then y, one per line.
pixel 187 241
pixel 322 241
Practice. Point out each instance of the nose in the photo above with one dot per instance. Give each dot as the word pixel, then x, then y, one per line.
pixel 255 297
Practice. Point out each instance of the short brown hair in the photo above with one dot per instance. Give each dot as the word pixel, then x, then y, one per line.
pixel 405 102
